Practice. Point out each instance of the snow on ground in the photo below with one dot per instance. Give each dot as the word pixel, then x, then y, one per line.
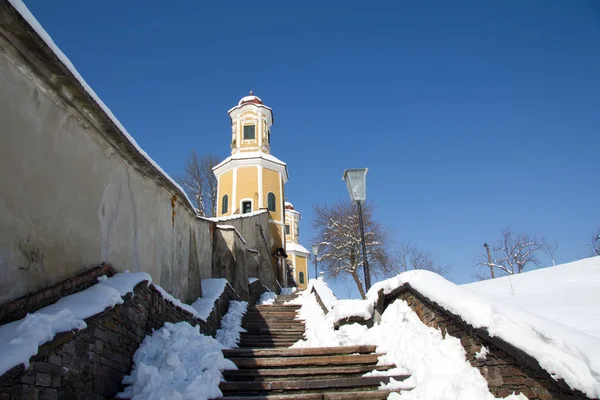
pixel 211 291
pixel 438 366
pixel 567 293
pixel 19 340
pixel 266 298
pixel 562 351
pixel 231 324
pixel 288 290
pixel 325 293
pixel 178 363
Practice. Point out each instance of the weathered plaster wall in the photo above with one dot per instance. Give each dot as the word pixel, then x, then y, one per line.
pixel 72 197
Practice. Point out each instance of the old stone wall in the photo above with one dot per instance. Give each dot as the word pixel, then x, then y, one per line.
pixel 75 190
pixel 91 363
pixel 506 368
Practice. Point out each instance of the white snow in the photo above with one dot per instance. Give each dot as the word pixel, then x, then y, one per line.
pixel 562 351
pixel 266 298
pixel 211 291
pixel 177 362
pixel 37 27
pixel 297 247
pixel 288 290
pixel 19 340
pixel 177 302
pixel 482 353
pixel 248 155
pixel 248 98
pixel 236 216
pixel 252 280
pixel 438 366
pixel 325 293
pixel 231 324
pixel 567 293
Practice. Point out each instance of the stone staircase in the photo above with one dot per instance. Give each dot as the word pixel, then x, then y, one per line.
pixel 269 369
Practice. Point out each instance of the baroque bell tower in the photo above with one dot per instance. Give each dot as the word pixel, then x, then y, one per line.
pixel 251 179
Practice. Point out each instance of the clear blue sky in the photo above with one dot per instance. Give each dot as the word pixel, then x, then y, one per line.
pixel 471 115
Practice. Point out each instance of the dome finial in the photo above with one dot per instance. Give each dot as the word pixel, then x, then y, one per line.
pixel 251 93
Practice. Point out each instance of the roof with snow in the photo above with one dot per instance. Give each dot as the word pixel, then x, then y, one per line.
pixel 567 293
pixel 289 206
pixel 297 247
pixel 250 99
pixel 254 101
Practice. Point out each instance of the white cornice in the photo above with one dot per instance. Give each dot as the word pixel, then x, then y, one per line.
pixel 271 163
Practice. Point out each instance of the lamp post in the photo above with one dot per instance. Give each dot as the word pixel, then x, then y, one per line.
pixel 356 181
pixel 315 250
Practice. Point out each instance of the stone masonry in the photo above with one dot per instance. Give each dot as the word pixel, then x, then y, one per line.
pixel 91 363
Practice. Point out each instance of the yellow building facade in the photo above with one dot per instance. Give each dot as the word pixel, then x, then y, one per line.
pixel 297 254
pixel 252 179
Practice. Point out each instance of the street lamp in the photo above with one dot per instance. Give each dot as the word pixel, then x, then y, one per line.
pixel 356 181
pixel 315 249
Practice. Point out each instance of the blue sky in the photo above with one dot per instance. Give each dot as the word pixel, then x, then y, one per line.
pixel 471 115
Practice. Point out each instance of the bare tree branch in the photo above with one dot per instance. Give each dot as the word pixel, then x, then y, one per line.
pixel 515 250
pixel 408 256
pixel 200 183
pixel 338 233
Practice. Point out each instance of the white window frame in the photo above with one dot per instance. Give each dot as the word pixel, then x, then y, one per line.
pixel 242 202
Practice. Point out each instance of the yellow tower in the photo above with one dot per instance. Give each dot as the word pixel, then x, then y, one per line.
pixel 297 254
pixel 251 179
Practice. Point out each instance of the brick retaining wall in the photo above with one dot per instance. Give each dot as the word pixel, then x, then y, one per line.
pixel 91 363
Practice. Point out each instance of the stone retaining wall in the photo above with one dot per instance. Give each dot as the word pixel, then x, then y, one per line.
pixel 506 368
pixel 91 363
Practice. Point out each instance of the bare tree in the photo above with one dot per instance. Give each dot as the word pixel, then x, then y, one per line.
pixel 550 248
pixel 200 182
pixel 514 251
pixel 596 243
pixel 338 233
pixel 408 256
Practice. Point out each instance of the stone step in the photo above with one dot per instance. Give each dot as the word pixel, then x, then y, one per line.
pixel 309 384
pixel 283 362
pixel 272 334
pixel 367 395
pixel 273 306
pixel 301 352
pixel 301 373
pixel 267 344
pixel 263 329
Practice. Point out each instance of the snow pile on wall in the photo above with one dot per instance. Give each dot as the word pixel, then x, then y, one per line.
pixel 231 324
pixel 437 365
pixel 567 293
pixel 177 362
pixel 211 291
pixel 266 298
pixel 325 293
pixel 19 340
pixel 560 350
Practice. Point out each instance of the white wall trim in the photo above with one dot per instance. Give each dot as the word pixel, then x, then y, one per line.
pixel 234 191
pixel 260 186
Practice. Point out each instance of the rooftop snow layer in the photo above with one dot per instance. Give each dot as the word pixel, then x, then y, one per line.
pixel 567 293
pixel 562 351
pixel 291 246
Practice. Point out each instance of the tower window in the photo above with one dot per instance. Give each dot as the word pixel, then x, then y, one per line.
pixel 301 277
pixel 271 201
pixel 225 204
pixel 287 229
pixel 246 207
pixel 249 132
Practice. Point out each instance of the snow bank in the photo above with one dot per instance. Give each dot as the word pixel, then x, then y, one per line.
pixel 177 362
pixel 231 324
pixel 211 291
pixel 35 25
pixel 567 293
pixel 560 350
pixel 325 293
pixel 266 298
pixel 438 366
pixel 237 216
pixel 19 340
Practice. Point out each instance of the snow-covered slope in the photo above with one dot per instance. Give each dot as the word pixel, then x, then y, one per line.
pixel 568 293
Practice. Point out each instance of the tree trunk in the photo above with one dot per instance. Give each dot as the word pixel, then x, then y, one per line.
pixel 359 285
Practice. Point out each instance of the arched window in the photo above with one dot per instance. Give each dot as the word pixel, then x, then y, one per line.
pixel 271 201
pixel 301 277
pixel 225 204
